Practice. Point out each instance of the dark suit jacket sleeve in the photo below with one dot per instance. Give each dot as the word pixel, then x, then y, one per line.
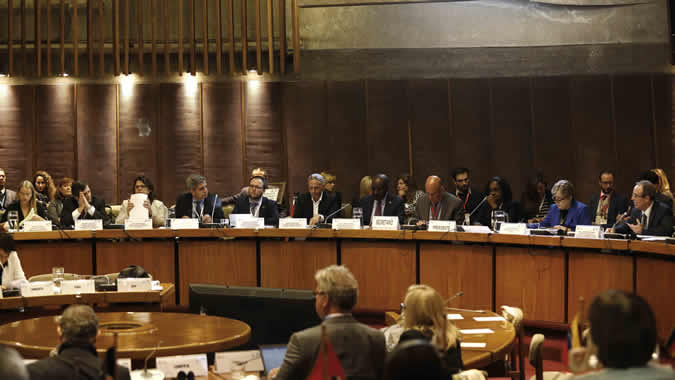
pixel 593 206
pixel 238 207
pixel 365 204
pixel 99 211
pixel 183 206
pixel 69 205
pixel 400 210
pixel 662 223
pixel 300 210
pixel 271 214
pixel 296 364
pixel 330 205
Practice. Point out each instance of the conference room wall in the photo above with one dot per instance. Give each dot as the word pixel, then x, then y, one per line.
pixel 569 127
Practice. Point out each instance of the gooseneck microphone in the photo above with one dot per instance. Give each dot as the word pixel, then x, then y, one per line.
pixel 475 209
pixel 460 293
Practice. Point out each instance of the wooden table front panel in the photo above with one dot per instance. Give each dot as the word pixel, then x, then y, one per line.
pixel 655 282
pixel 156 257
pixel 591 273
pixel 449 268
pixel 39 257
pixel 222 262
pixel 292 264
pixel 384 270
pixel 532 279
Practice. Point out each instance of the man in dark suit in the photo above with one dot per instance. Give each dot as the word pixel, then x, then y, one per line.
pixel 256 204
pixel 317 204
pixel 608 204
pixel 77 357
pixel 438 204
pixel 359 348
pixel 649 217
pixel 83 205
pixel 7 196
pixel 470 198
pixel 381 203
pixel 197 203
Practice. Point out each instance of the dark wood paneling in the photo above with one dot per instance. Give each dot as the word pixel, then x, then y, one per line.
pixel 292 264
pixel 651 276
pixel 263 128
pixel 97 139
pixel 662 111
pixel 74 257
pixel 17 129
pixel 156 257
pixel 222 137
pixel 56 130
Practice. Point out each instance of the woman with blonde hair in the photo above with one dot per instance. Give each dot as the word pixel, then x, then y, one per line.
pixel 365 186
pixel 26 206
pixel 663 186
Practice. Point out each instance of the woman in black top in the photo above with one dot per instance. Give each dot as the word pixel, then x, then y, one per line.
pixel 499 197
pixel 26 206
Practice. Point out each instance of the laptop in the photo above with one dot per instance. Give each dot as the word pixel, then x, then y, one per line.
pixel 272 356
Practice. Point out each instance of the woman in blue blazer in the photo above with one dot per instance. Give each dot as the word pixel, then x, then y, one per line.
pixel 567 213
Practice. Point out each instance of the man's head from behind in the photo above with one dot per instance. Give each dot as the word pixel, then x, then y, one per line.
pixel 623 328
pixel 78 324
pixel 336 290
pixel 11 365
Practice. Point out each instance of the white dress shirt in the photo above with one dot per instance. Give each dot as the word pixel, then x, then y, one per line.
pixel 315 209
pixel 12 274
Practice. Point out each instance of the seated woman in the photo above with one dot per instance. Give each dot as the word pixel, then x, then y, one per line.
pixel 156 209
pixel 567 212
pixel 10 265
pixel 44 187
pixel 536 200
pixel 499 198
pixel 64 190
pixel 407 189
pixel 330 187
pixel 27 206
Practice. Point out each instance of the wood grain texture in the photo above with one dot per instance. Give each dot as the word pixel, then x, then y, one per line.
pixel 17 128
pixel 383 269
pixel 654 282
pixel 292 264
pixel 532 279
pixel 230 262
pixel 263 128
pixel 56 130
pixel 74 257
pixel 451 268
pixel 156 257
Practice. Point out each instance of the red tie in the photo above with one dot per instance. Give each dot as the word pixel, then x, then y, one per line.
pixel 378 209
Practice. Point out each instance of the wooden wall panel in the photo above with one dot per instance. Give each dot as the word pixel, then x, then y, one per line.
pixel 292 264
pixel 74 257
pixel 139 147
pixel 56 130
pixel 264 137
pixel 654 282
pixel 662 111
pixel 97 139
pixel 17 128
pixel 222 137
pixel 156 257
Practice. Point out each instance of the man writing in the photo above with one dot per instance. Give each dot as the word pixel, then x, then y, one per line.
pixel 317 204
pixel 438 204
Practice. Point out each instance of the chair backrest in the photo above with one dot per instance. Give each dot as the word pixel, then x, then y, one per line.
pixel 535 357
pixel 50 277
pixel 515 316
pixel 414 359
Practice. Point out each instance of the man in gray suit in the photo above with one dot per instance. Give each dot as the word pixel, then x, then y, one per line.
pixel 7 196
pixel 438 204
pixel 360 349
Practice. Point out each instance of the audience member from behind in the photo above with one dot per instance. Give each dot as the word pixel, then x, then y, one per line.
pixel 624 330
pixel 256 204
pixel 470 197
pixel 406 188
pixel 197 202
pixel 76 355
pixel 83 205
pixel 10 266
pixel 649 216
pixel 567 213
pixel 438 204
pixel 381 203
pixel 27 206
pixel 608 204
pixel 536 199
pixel 665 198
pixel 44 187
pixel 64 190
pixel 359 348
pixel 7 196
pixel 499 198
pixel 11 365
pixel 415 359
pixel 156 209
pixel 317 204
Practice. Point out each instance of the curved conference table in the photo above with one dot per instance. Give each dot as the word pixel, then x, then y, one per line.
pixel 544 275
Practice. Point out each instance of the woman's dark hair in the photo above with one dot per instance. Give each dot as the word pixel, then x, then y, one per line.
pixel 507 195
pixel 7 242
pixel 60 182
pixel 78 187
pixel 532 182
pixel 146 181
pixel 412 186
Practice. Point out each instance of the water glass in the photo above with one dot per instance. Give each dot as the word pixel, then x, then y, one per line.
pixel 13 220
pixel 57 275
pixel 499 217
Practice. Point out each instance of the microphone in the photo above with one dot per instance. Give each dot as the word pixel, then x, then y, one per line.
pixel 333 213
pixel 620 219
pixel 325 223
pixel 215 200
pixel 475 209
pixel 460 293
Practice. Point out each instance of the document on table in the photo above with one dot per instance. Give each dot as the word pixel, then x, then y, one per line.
pixel 489 319
pixel 476 331
pixel 472 344
pixel 455 317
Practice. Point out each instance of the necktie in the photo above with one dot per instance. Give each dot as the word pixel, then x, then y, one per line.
pixel 604 202
pixel 378 209
pixel 644 220
pixel 253 207
pixel 195 209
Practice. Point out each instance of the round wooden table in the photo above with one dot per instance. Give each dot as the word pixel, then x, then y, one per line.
pixel 138 334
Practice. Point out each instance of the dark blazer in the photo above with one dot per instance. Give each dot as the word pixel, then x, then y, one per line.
pixel 62 366
pixel 16 206
pixel 484 214
pixel 304 208
pixel 660 221
pixel 360 349
pixel 10 196
pixel 70 204
pixel 475 197
pixel 268 210
pixel 393 206
pixel 578 214
pixel 452 357
pixel 618 204
pixel 184 206
pixel 451 208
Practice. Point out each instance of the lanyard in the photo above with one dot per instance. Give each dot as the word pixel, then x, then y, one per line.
pixel 436 211
pixel 468 194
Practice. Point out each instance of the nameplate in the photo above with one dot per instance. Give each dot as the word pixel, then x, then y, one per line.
pixel 138 224
pixel 254 223
pixel 477 229
pixel 387 223
pixel 184 224
pixel 134 284
pixel 587 232
pixel 442 225
pixel 293 223
pixel 77 286
pixel 88 224
pixel 251 361
pixel 38 288
pixel 513 228
pixel 171 365
pixel 37 225
pixel 346 224
pixel 126 363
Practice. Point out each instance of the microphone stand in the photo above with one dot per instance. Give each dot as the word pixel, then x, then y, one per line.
pixel 475 209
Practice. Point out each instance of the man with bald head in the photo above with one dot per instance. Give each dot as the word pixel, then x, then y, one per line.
pixel 438 204
pixel 381 202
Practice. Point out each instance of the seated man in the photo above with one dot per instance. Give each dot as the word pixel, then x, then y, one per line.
pixel 256 204
pixel 608 204
pixel 11 365
pixel 317 204
pixel 232 199
pixel 624 330
pixel 197 203
pixel 438 204
pixel 77 357
pixel 648 217
pixel 82 205
pixel 359 348
pixel 381 203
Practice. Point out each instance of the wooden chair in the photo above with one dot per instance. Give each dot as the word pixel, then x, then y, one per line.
pixel 535 357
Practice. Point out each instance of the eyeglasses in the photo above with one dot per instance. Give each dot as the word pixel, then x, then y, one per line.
pixel 255 187
pixel 185 376
pixel 558 199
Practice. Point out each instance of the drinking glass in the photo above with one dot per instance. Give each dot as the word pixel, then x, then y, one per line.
pixel 13 220
pixel 357 213
pixel 57 275
pixel 499 217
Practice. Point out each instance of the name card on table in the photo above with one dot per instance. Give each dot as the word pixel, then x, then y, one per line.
pixel 346 224
pixel 134 284
pixel 88 224
pixel 37 225
pixel 250 360
pixel 477 229
pixel 139 224
pixel 184 224
pixel 254 223
pixel 442 225
pixel 126 363
pixel 293 223
pixel 171 365
pixel 38 288
pixel 77 286
pixel 386 223
pixel 513 228
pixel 587 232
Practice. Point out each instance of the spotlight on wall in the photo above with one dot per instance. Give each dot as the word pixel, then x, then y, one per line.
pixel 190 83
pixel 127 85
pixel 63 75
